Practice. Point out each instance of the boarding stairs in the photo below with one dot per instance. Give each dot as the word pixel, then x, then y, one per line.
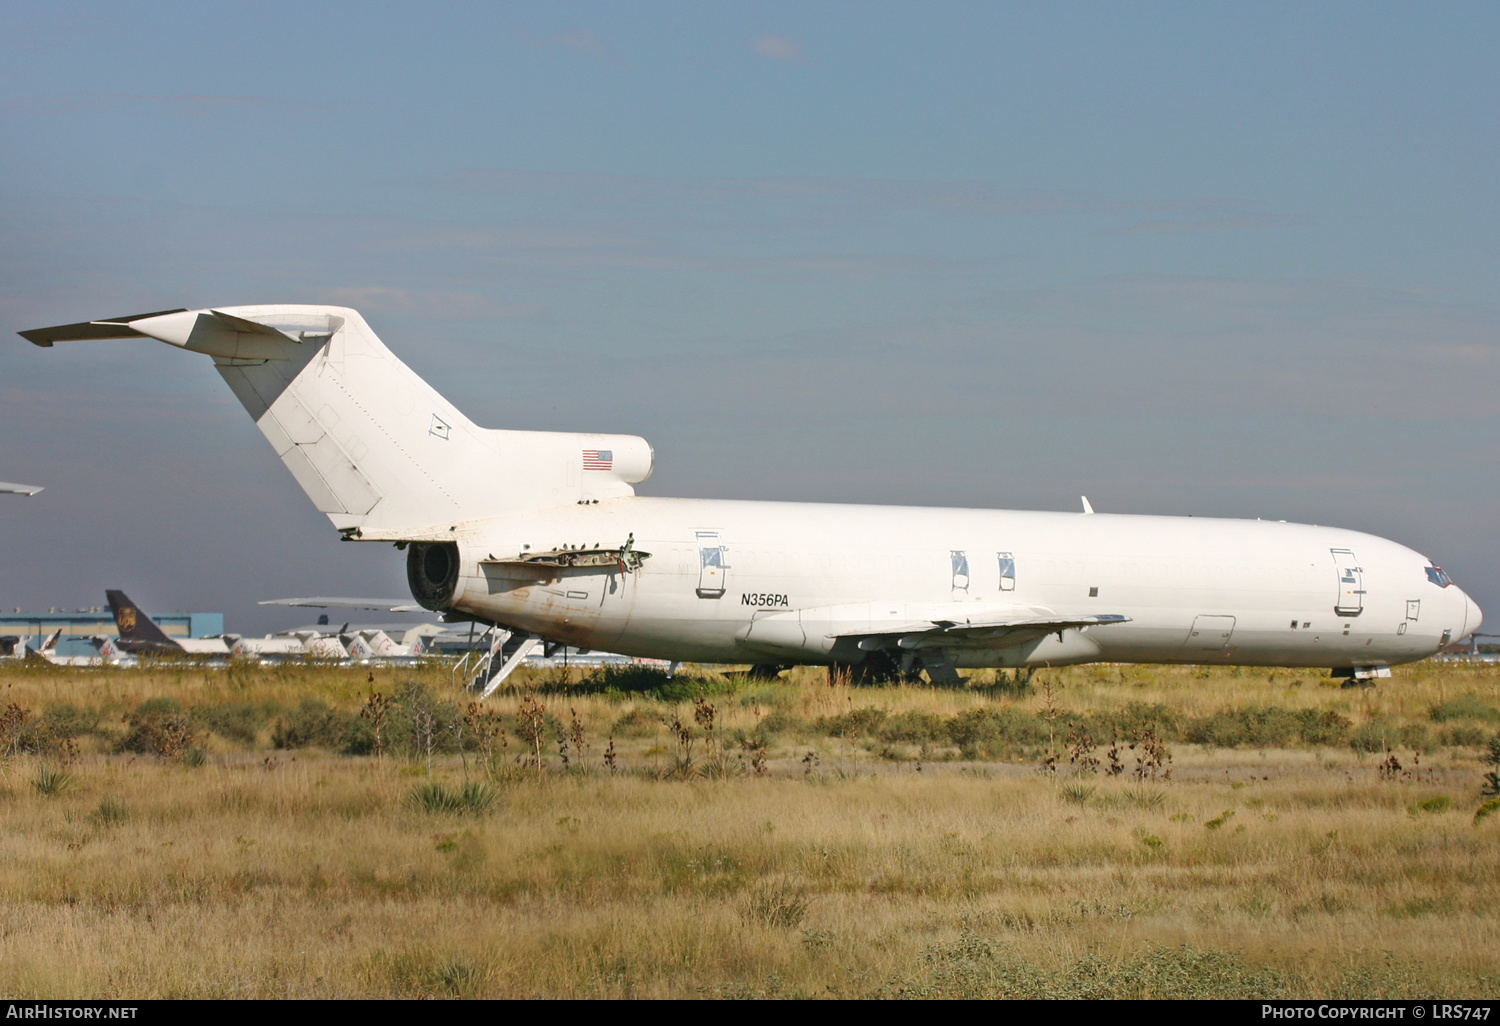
pixel 485 666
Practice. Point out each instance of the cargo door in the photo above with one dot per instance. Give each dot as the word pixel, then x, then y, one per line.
pixel 1210 634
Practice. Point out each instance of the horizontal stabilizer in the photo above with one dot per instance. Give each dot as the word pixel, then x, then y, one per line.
pixel 19 489
pixel 108 327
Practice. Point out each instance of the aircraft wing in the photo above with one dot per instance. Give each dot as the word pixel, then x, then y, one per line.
pixel 341 602
pixel 19 489
pixel 1001 632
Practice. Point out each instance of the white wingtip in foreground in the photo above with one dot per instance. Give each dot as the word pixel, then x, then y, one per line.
pixel 541 535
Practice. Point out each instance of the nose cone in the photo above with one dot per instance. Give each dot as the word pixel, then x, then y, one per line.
pixel 1473 616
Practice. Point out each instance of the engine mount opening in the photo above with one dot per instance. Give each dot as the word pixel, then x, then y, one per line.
pixel 432 573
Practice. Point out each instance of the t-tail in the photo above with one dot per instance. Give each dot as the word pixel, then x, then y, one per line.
pixel 374 446
pixel 138 632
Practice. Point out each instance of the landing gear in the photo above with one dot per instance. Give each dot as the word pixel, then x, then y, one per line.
pixel 1349 677
pixel 875 668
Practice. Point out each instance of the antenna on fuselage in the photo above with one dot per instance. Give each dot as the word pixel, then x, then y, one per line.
pixel 1086 507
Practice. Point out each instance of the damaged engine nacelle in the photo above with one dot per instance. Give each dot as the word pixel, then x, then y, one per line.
pixel 432 573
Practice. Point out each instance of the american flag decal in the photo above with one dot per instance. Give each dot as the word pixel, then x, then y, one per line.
pixel 598 459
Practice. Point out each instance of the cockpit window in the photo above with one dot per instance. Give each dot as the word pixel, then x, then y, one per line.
pixel 1436 575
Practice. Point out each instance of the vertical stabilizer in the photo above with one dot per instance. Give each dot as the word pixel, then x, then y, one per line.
pixel 136 628
pixel 373 445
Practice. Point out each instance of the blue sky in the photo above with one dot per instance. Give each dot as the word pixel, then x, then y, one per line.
pixel 1232 260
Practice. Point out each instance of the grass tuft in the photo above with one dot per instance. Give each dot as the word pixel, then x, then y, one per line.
pixel 51 781
pixel 434 797
pixel 1076 794
pixel 781 906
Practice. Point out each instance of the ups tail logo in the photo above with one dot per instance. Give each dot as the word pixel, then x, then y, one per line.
pixel 127 619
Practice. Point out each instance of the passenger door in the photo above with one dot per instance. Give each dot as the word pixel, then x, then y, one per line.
pixel 1351 594
pixel 711 565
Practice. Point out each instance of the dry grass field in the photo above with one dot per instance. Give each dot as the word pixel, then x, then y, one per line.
pixel 185 831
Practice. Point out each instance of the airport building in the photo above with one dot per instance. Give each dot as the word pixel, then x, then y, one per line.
pixel 78 625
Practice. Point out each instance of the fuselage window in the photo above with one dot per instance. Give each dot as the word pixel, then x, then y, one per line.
pixel 960 569
pixel 1007 572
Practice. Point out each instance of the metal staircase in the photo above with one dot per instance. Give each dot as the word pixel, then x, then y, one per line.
pixel 485 667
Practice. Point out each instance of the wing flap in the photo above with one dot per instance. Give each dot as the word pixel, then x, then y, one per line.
pixel 998 632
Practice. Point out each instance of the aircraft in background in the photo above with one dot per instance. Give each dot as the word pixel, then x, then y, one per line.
pixel 139 634
pixel 361 643
pixel 358 644
pixel 15 647
pixel 327 602
pixel 306 644
pixel 541 535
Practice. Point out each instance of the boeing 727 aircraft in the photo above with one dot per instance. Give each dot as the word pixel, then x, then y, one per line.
pixel 541 533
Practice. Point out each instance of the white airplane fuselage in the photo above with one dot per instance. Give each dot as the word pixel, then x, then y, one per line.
pixel 791 578
pixel 542 533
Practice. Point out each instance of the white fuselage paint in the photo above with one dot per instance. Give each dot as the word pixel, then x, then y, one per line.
pixel 856 567
pixel 388 459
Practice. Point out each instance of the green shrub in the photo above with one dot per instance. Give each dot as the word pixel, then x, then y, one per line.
pixel 1127 722
pixel 234 721
pixel 994 731
pixel 1415 736
pixel 633 678
pixel 635 723
pixel 314 725
pixel 855 723
pixel 1255 726
pixel 783 721
pixel 416 718
pixel 158 727
pixel 1441 803
pixel 22 733
pixel 1374 736
pixel 160 707
pixel 684 688
pixel 1465 707
pixel 1267 727
pixel 913 726
pixel 64 721
pixel 1323 728
pixel 1464 735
